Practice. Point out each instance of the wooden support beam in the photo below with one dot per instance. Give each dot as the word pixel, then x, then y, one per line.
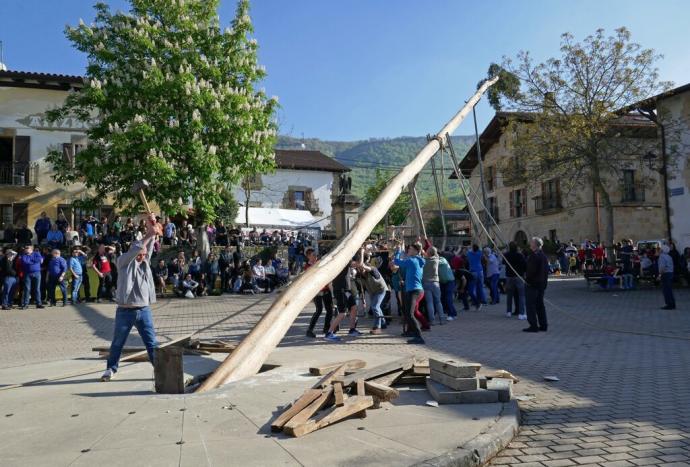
pixel 305 414
pixel 349 366
pixel 381 392
pixel 255 348
pixel 389 379
pixel 337 372
pixel 338 394
pixel 360 387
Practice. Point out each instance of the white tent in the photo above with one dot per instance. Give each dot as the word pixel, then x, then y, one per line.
pixel 277 218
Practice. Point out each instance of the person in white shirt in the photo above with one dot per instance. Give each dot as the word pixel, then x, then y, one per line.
pixel 492 274
pixel 259 273
pixel 189 286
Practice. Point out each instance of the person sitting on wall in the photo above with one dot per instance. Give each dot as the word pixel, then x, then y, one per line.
pixel 24 235
pixel 188 287
pixel 42 227
pixel 160 276
pixel 608 280
pixel 55 237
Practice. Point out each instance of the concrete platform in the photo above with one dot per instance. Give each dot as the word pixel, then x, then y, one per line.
pixel 82 422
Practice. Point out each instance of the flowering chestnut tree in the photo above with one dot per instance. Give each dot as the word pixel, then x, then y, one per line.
pixel 175 102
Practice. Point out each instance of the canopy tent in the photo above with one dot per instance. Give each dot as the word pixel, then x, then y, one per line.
pixel 277 218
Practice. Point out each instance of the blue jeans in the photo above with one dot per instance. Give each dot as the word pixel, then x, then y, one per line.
pixel 32 281
pixel 667 289
pixel 125 318
pixel 515 288
pixel 10 284
pixel 476 288
pixel 432 295
pixel 76 285
pixel 376 300
pixel 53 281
pixel 448 297
pixel 495 295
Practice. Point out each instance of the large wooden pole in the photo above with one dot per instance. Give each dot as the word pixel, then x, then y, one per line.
pixel 247 358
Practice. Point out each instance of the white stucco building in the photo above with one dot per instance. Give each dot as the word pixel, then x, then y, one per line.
pixel 303 181
pixel 672 109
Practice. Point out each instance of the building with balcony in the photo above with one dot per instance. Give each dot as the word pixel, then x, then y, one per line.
pixel 542 208
pixel 303 181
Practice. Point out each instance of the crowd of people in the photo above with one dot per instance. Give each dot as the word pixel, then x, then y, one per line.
pixel 424 283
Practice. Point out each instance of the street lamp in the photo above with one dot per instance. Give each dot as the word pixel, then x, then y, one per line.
pixel 650 157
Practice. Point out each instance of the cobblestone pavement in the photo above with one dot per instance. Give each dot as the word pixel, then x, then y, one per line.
pixel 623 364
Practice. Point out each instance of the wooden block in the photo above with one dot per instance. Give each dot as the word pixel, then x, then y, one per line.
pixel 167 370
pixel 459 384
pixel 380 392
pixel 455 369
pixel 411 379
pixel 305 414
pixel 338 394
pixel 389 379
pixel 360 387
pixel 309 396
pixel 371 373
pixel 350 365
pixel 352 406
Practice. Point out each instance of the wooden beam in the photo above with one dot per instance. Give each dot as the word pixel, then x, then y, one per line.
pixel 381 392
pixel 360 387
pixel 353 406
pixel 349 366
pixel 255 348
pixel 330 377
pixel 371 373
pixel 338 394
pixel 305 414
pixel 309 396
pixel 389 379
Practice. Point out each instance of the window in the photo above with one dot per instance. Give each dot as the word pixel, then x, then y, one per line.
pixel 20 214
pixel 552 236
pixel 6 150
pixel 632 190
pixel 6 214
pixel 493 207
pixel 299 199
pixel 518 203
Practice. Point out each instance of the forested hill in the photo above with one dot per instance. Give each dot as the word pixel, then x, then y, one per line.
pixel 388 155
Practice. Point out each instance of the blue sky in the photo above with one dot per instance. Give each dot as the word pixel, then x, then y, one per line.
pixel 354 69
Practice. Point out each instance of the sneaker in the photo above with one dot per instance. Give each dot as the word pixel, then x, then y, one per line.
pixel 416 340
pixel 522 317
pixel 40 306
pixel 509 314
pixel 450 318
pixel 311 334
pixel 332 337
pixel 107 375
pixel 354 332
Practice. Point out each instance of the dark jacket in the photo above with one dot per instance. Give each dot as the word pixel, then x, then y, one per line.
pixel 518 263
pixel 537 272
pixel 7 268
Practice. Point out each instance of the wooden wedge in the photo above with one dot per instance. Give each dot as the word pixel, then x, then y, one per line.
pixel 309 396
pixel 381 392
pixel 350 365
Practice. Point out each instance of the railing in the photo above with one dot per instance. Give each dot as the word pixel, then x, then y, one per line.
pixel 633 193
pixel 544 204
pixel 19 174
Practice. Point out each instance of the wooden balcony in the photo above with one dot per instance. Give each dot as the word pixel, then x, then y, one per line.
pixel 19 174
pixel 547 204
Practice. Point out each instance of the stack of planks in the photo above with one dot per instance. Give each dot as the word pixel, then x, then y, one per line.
pixel 346 389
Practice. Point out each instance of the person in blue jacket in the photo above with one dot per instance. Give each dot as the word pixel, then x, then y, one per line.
pixel 476 289
pixel 414 291
pixel 57 268
pixel 31 262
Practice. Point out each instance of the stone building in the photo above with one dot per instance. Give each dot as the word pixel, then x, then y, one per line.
pixel 671 110
pixel 544 209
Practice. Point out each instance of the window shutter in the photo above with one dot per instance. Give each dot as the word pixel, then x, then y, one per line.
pixel 543 190
pixel 291 199
pixel 22 149
pixel 68 151
pixel 558 189
pixel 524 202
pixel 512 204
pixel 309 201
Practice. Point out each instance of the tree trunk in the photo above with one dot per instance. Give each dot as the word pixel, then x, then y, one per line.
pixel 247 195
pixel 608 209
pixel 252 352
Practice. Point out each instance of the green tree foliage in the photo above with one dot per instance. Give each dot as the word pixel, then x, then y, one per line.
pixel 174 98
pixel 398 212
pixel 572 127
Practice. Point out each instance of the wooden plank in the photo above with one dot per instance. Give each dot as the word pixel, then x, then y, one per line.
pixel 305 414
pixel 265 336
pixel 179 341
pixel 421 370
pixel 330 377
pixel 350 365
pixel 389 379
pixel 360 387
pixel 353 405
pixel 338 394
pixel 126 349
pixel 381 392
pixel 371 373
pixel 309 396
